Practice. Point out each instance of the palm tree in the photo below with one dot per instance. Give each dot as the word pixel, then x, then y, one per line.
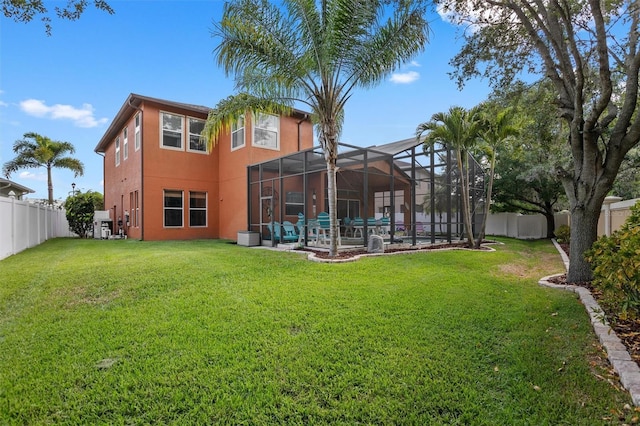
pixel 314 53
pixel 497 128
pixel 458 129
pixel 39 151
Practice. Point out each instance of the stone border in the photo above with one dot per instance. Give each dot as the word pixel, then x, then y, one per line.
pixel 619 357
pixel 312 256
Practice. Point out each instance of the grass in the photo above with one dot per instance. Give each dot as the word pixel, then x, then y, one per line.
pixel 206 332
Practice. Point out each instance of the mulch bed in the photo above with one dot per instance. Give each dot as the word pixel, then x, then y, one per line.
pixel 628 330
pixel 349 254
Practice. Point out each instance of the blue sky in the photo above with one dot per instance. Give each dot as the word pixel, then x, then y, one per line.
pixel 69 86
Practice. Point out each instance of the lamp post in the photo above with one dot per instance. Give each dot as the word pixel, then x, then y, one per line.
pixel 73 189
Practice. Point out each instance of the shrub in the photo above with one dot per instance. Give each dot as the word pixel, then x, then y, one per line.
pixel 563 234
pixel 80 210
pixel 615 262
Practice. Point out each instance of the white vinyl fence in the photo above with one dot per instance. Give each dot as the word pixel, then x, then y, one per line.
pixel 516 225
pixel 24 225
pixel 533 226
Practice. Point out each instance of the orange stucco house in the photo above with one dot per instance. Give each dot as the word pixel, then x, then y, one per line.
pixel 161 182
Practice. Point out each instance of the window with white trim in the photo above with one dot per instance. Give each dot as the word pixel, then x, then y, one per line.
pixel 197 209
pixel 294 203
pixel 125 143
pixel 237 134
pixel 172 129
pixel 172 208
pixel 137 135
pixel 196 141
pixel 265 131
pixel 118 151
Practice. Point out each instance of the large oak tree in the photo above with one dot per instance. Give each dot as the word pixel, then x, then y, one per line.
pixel 588 50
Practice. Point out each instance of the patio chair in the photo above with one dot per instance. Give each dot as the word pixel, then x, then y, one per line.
pixel 289 234
pixel 310 230
pixel 348 226
pixel 385 226
pixel 358 225
pixel 275 229
pixel 324 228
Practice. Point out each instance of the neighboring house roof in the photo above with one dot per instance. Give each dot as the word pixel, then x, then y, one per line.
pixel 6 186
pixel 395 148
pixel 134 101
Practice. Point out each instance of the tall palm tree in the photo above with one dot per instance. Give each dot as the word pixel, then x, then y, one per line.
pixel 458 129
pixel 39 151
pixel 315 53
pixel 497 128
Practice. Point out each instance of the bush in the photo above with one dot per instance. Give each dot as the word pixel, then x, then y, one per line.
pixel 563 234
pixel 615 262
pixel 80 209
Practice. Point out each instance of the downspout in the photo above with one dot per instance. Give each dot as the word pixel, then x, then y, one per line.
pixel 305 118
pixel 141 199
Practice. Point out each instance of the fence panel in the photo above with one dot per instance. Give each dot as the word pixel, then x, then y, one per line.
pixel 24 225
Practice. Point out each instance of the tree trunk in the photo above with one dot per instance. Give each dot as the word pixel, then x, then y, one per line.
pixel 466 212
pixel 49 185
pixel 487 203
pixel 333 220
pixel 584 232
pixel 551 223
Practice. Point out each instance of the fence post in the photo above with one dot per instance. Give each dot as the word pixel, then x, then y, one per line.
pixel 606 204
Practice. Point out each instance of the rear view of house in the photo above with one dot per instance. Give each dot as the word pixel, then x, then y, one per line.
pixel 163 182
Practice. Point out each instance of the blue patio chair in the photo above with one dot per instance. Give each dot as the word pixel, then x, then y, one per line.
pixel 289 234
pixel 310 229
pixel 348 226
pixel 276 233
pixel 358 225
pixel 323 226
pixel 385 226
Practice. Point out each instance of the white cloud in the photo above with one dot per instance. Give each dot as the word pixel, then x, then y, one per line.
pixel 3 104
pixel 42 177
pixel 81 117
pixel 414 64
pixel 405 77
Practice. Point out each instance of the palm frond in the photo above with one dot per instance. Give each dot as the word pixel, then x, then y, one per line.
pixel 231 109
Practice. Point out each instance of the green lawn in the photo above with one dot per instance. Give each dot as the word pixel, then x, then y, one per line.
pixel 207 332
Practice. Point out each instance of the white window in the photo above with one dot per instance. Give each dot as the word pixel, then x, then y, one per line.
pixel 137 132
pixel 125 143
pixel 196 142
pixel 237 134
pixel 172 208
pixel 294 203
pixel 197 209
pixel 172 126
pixel 118 151
pixel 265 131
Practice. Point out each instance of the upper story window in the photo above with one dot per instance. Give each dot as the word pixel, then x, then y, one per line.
pixel 137 135
pixel 172 126
pixel 196 142
pixel 125 143
pixel 237 134
pixel 118 151
pixel 265 131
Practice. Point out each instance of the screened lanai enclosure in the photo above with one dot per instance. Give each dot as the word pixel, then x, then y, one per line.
pixel 399 191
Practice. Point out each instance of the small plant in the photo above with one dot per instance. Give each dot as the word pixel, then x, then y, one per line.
pixel 615 262
pixel 563 234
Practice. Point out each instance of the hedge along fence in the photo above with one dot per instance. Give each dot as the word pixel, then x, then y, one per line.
pixel 24 225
